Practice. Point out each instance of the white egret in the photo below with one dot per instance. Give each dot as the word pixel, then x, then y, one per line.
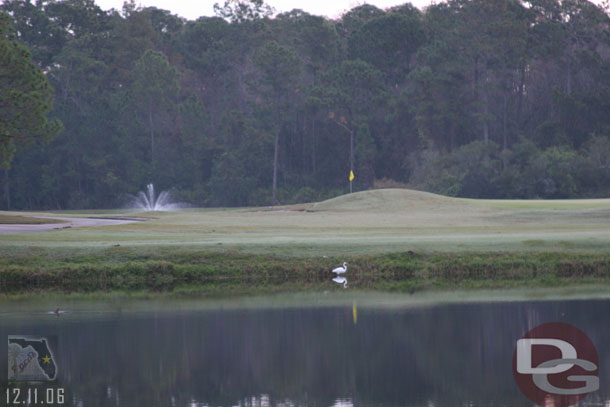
pixel 341 270
pixel 341 280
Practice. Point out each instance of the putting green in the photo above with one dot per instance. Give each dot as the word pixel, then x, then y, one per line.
pixel 375 221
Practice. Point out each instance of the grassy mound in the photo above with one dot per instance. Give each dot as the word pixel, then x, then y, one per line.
pixel 391 200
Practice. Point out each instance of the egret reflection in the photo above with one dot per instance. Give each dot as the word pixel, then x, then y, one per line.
pixel 341 280
pixel 343 403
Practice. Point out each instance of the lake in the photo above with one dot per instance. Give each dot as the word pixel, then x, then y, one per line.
pixel 347 349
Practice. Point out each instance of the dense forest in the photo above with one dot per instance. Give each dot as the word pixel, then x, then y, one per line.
pixel 475 98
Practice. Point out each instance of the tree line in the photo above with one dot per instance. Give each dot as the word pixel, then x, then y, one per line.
pixel 476 98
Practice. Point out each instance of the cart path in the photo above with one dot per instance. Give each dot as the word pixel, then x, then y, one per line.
pixel 69 223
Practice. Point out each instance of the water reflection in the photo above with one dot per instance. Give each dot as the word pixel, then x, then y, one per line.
pixel 450 355
pixel 341 280
pixel 343 403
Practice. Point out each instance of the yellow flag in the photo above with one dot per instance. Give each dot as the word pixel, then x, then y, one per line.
pixel 351 176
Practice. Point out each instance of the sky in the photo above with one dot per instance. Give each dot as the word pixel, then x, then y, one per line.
pixel 192 9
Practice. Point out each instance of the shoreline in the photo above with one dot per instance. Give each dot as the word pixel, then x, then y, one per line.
pixel 234 273
pixel 100 304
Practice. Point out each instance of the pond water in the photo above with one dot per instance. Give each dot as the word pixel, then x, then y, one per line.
pixel 356 351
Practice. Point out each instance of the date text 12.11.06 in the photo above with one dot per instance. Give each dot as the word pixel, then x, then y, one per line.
pixel 34 396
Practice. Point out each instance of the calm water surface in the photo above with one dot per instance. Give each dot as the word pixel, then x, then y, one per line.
pixel 353 353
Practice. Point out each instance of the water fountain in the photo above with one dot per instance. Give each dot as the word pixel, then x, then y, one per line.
pixel 148 201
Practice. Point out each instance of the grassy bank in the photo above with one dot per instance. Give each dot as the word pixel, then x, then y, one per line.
pixel 239 273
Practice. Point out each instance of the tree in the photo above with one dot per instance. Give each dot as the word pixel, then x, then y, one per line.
pixel 438 95
pixel 387 42
pixel 77 18
pixel 206 46
pixel 155 91
pixel 313 38
pixel 318 46
pixel 214 99
pixel 279 67
pixel 357 17
pixel 35 29
pixel 25 100
pixel 242 170
pixel 353 90
pixel 239 11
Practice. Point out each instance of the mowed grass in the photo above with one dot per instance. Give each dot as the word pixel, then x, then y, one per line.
pixel 371 222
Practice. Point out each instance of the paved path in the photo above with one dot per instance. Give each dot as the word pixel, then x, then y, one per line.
pixel 69 222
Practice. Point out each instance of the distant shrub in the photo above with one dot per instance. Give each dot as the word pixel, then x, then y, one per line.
pixel 482 170
pixel 555 173
pixel 260 197
pixel 467 171
pixel 306 194
pixel 388 183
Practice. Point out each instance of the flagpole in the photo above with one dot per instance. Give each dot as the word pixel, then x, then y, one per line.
pixel 343 123
pixel 351 159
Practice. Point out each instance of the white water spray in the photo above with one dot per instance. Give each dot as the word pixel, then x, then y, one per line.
pixel 148 201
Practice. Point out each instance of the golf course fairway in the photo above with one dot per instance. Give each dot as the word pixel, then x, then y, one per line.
pixel 393 239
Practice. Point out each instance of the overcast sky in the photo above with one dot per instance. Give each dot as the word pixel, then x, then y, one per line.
pixel 192 9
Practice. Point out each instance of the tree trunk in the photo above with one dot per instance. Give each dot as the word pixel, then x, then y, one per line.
pixel 452 136
pixel 7 189
pixel 313 144
pixel 504 122
pixel 351 150
pixel 485 102
pixel 569 78
pixel 475 82
pixel 152 135
pixel 521 94
pixel 276 155
pixel 569 66
pixel 485 113
pixel 275 163
pixel 241 90
pixel 299 136
pixel 351 156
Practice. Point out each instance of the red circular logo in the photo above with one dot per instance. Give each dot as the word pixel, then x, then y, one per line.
pixel 556 364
